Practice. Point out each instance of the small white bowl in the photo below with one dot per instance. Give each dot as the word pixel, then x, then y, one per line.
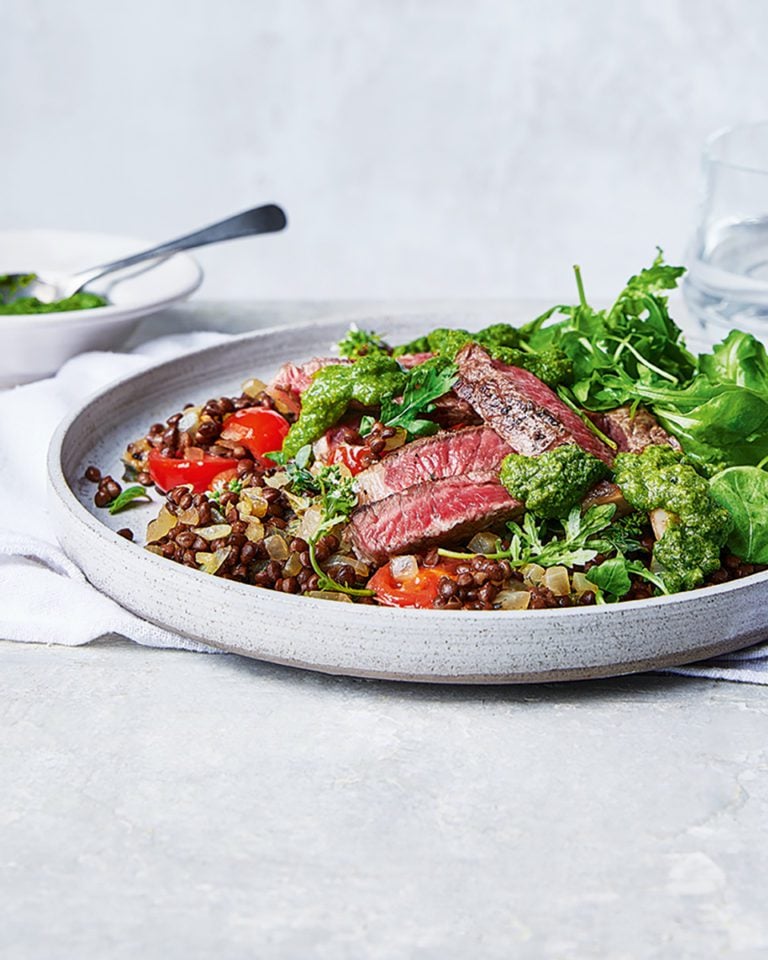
pixel 36 345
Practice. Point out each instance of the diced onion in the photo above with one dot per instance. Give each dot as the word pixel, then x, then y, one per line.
pixel 298 504
pixel 210 562
pixel 161 525
pixel 512 599
pixel 280 404
pixel 214 532
pixel 556 579
pixel 253 387
pixel 255 530
pixel 533 573
pixel 581 585
pixel 258 505
pixel 277 480
pixel 484 542
pixel 194 453
pixel 190 517
pixel 659 521
pixel 292 566
pixel 328 595
pixel 404 568
pixel 276 547
pixel 190 419
pixel 310 523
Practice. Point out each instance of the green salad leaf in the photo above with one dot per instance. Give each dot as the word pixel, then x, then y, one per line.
pixel 743 492
pixel 636 339
pixel 721 417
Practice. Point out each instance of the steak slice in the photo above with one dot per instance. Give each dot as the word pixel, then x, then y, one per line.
pixel 520 408
pixel 473 452
pixel 292 379
pixel 428 513
pixel 409 360
pixel 451 411
pixel 632 434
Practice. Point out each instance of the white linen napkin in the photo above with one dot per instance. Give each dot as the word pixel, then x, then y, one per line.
pixel 45 598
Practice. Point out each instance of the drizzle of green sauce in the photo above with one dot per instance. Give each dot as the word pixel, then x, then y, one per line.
pixel 502 341
pixel 21 305
pixel 334 388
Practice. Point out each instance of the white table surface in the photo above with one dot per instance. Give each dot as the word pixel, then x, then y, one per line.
pixel 160 804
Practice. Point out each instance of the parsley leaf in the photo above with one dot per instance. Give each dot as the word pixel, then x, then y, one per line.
pixel 127 496
pixel 359 343
pixel 337 501
pixel 425 384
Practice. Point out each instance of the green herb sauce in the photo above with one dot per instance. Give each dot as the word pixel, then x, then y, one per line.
pixel 334 388
pixel 502 341
pixel 550 484
pixel 9 287
pixel 697 529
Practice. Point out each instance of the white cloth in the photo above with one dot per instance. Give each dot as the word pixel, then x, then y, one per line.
pixel 45 598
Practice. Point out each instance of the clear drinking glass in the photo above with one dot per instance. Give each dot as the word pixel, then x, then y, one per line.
pixel 727 281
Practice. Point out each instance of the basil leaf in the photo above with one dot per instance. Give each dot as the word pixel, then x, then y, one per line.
pixel 127 496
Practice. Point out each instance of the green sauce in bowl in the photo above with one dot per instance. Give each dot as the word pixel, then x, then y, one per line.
pixel 10 285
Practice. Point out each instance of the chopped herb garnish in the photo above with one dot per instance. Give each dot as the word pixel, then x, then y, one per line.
pixel 359 343
pixel 426 383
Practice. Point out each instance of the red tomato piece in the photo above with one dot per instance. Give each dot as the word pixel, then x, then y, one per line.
pixel 223 479
pixel 258 430
pixel 420 591
pixel 355 458
pixel 167 472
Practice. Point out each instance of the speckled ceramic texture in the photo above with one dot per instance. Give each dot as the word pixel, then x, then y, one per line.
pixel 439 646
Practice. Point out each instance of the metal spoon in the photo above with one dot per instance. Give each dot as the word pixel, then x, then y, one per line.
pixel 50 286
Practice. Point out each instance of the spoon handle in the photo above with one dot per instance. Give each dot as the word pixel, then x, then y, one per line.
pixel 267 219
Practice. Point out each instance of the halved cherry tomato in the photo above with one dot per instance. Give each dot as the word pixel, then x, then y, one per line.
pixel 168 472
pixel 354 457
pixel 258 430
pixel 420 591
pixel 222 480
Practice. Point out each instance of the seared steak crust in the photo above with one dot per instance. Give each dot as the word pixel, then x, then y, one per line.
pixel 519 407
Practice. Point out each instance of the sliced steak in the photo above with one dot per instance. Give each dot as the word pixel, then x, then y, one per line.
pixel 473 452
pixel 520 408
pixel 293 379
pixel 409 360
pixel 632 434
pixel 428 513
pixel 451 411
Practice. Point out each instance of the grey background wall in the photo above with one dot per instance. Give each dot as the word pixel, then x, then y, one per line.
pixel 422 148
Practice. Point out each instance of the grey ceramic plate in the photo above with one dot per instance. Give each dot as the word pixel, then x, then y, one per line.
pixel 438 646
